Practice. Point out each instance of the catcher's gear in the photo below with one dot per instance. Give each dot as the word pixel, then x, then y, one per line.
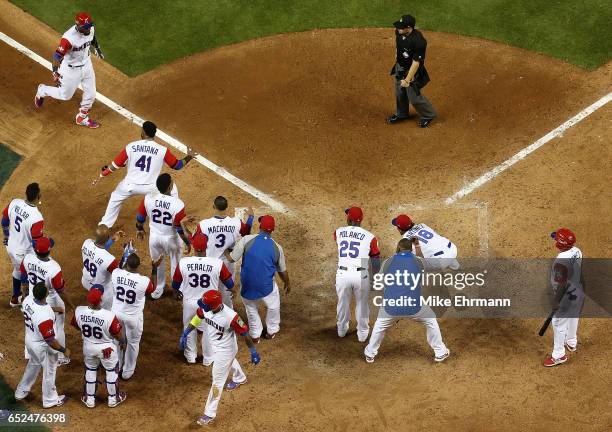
pixel 564 239
pixel 128 249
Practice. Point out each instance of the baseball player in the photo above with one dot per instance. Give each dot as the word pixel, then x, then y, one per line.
pixel 130 289
pixel 439 252
pixel 193 277
pixel 222 324
pixel 356 248
pixel 262 257
pixel 569 296
pixel 22 222
pixel 165 214
pixel 99 263
pixel 72 66
pixel 405 261
pixel 40 267
pixel 144 160
pixel 99 328
pixel 223 232
pixel 43 347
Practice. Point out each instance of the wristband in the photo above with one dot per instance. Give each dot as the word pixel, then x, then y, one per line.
pixel 105 171
pixel 62 350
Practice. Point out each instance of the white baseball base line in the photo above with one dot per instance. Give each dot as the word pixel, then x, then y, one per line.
pixel 494 172
pixel 220 171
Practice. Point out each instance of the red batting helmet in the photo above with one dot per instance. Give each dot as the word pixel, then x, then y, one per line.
pixel 564 238
pixel 83 21
pixel 212 299
pixel 199 242
pixel 354 214
pixel 403 222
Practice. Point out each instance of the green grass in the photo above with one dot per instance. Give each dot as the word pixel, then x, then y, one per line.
pixel 141 35
pixel 8 161
pixel 8 402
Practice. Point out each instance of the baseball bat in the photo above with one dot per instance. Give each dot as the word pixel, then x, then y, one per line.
pixel 546 323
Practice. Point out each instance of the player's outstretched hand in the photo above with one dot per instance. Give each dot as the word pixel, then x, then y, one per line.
pixel 119 234
pixel 191 152
pixel 157 262
pixel 140 234
pixel 250 212
pixel 178 295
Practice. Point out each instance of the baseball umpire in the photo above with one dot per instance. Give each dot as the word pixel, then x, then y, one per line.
pixel 410 73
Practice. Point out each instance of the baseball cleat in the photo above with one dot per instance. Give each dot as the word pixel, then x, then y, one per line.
pixel 369 359
pixel 423 123
pixel 38 101
pixel 207 363
pixel 20 398
pixel 204 420
pixel 16 301
pixel 61 400
pixel 269 336
pixel 570 348
pixel 550 361
pixel 86 121
pixel 233 385
pixel 88 403
pixel 255 340
pixel 121 397
pixel 190 361
pixel 396 119
pixel 442 357
pixel 63 361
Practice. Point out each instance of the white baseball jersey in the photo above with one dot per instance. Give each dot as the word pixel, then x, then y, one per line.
pixel 196 275
pixel 37 270
pixel 432 244
pixel 222 328
pixel 97 325
pixel 355 246
pixel 144 160
pixel 130 290
pixel 165 213
pixel 26 223
pixel 567 268
pixel 222 234
pixel 74 46
pixel 98 264
pixel 39 321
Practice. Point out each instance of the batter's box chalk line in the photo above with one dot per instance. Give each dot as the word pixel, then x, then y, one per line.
pixel 268 200
pixel 482 219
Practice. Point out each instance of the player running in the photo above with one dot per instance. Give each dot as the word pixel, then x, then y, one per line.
pixel 144 160
pixel 43 347
pixel 165 214
pixel 223 232
pixel 99 263
pixel 39 267
pixel 439 252
pixel 193 277
pixel 22 222
pixel 566 280
pixel 356 248
pixel 222 324
pixel 71 65
pixel 130 289
pixel 99 328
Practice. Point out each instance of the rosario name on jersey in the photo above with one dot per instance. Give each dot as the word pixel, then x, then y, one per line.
pixel 567 268
pixel 74 46
pixel 25 224
pixel 432 243
pixel 222 233
pixel 97 326
pixel 196 275
pixel 98 263
pixel 222 328
pixel 34 270
pixel 355 246
pixel 165 213
pixel 39 321
pixel 144 160
pixel 130 290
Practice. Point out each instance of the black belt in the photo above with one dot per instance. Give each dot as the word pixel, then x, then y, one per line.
pixel 358 268
pixel 74 66
pixel 441 252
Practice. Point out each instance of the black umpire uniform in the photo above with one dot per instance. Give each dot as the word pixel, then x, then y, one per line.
pixel 411 47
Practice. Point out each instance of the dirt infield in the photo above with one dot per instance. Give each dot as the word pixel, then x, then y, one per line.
pixel 302 117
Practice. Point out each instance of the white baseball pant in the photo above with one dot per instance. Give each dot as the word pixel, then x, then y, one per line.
pixel 425 316
pixel 272 303
pixel 42 357
pixel 107 296
pixel 71 77
pixel 224 361
pixel 564 332
pixel 168 246
pixel 16 259
pixel 123 191
pixel 93 357
pixel 54 300
pixel 445 260
pixel 133 326
pixel 190 307
pixel 351 283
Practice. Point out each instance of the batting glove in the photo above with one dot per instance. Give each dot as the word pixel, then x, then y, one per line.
pixel 255 359
pixel 183 339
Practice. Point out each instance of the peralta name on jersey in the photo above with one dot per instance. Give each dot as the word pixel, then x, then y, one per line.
pixel 352 234
pixel 220 229
pixel 142 148
pixel 207 268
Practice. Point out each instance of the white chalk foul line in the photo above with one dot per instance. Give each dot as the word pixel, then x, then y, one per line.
pixel 220 171
pixel 489 175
